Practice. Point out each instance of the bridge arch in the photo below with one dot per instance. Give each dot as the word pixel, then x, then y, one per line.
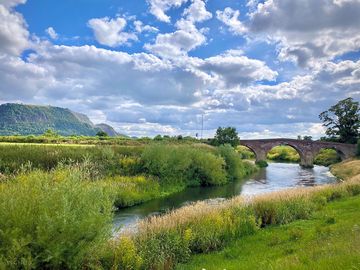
pixel 306 149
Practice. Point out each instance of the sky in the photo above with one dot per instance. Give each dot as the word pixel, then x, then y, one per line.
pixel 149 67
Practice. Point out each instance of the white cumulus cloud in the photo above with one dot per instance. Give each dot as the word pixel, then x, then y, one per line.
pixel 110 32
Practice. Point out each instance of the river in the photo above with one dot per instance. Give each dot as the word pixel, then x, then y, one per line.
pixel 276 176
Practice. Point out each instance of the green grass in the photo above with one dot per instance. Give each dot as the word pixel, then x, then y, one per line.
pixel 330 239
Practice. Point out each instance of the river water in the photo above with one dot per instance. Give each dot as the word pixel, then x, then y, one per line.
pixel 276 176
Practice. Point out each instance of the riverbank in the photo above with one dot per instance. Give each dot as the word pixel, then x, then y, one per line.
pixel 164 242
pixel 330 239
pixel 331 236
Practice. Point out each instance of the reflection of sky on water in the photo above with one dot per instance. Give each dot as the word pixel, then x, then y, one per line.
pixel 276 176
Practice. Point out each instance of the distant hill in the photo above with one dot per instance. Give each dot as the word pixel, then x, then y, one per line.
pixel 108 129
pixel 19 119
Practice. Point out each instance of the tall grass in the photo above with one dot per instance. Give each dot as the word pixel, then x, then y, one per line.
pixel 53 220
pixel 162 242
pixel 47 157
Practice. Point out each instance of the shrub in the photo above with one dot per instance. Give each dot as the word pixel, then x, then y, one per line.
pixel 262 163
pixel 283 153
pixel 129 191
pixel 327 157
pixel 235 167
pixel 52 221
pixel 183 165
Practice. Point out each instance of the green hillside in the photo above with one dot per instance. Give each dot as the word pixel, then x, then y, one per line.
pixel 19 119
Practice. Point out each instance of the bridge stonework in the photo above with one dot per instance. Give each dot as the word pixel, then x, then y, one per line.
pixel 306 149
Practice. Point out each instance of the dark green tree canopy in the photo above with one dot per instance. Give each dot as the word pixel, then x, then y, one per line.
pixel 226 135
pixel 102 133
pixel 343 120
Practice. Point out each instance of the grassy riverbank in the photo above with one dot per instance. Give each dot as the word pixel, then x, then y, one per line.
pixel 167 241
pixel 330 239
pixel 136 173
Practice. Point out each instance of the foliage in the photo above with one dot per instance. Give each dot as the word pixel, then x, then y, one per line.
pixel 343 120
pixel 262 163
pixel 358 148
pixel 244 152
pixel 164 241
pixel 302 245
pixel 226 135
pixel 129 191
pixel 235 167
pixel 46 157
pixel 326 157
pixel 53 220
pixel 283 153
pixel 183 165
pixel 102 134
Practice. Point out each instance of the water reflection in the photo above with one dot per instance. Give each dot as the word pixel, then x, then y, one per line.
pixel 276 176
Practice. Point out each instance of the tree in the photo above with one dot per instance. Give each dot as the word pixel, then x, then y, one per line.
pixel 102 133
pixel 343 120
pixel 50 133
pixel 307 138
pixel 226 135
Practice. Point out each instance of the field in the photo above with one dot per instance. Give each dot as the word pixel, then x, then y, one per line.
pixel 57 203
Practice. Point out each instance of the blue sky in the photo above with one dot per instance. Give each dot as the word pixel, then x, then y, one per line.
pixel 152 67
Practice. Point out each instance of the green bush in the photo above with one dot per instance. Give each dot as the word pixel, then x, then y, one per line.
pixel 327 157
pixel 235 167
pixel 53 220
pixel 183 165
pixel 283 153
pixel 262 163
pixel 129 191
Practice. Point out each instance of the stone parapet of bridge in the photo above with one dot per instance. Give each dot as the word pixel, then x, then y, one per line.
pixel 306 149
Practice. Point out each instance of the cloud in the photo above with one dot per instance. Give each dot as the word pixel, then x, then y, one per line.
pixel 309 30
pixel 140 27
pixel 230 18
pixel 178 43
pixel 197 12
pixel 236 70
pixel 110 31
pixel 13 30
pixel 52 33
pixel 159 7
pixel 12 3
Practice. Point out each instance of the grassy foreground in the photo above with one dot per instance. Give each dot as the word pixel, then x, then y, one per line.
pixel 329 239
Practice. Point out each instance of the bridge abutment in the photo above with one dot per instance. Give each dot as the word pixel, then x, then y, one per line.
pixel 307 160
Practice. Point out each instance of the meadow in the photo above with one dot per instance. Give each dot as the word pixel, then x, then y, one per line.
pixel 57 203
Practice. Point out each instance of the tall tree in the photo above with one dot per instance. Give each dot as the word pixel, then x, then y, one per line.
pixel 343 120
pixel 226 135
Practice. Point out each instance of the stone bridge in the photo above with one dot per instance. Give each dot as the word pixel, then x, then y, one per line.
pixel 306 149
